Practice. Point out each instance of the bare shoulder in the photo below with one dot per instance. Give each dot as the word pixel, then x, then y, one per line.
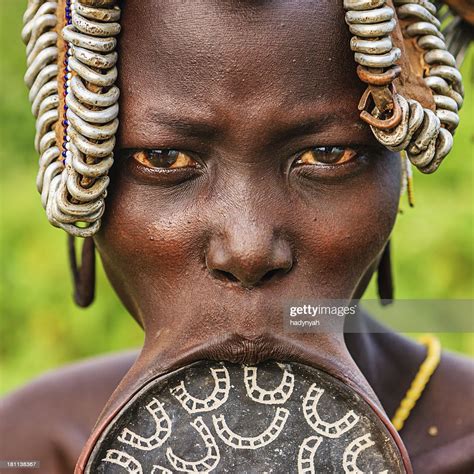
pixel 50 419
pixel 441 426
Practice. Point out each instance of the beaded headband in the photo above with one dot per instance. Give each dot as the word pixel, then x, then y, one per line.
pixel 71 75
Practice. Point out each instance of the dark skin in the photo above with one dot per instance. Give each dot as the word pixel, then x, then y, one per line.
pixel 205 255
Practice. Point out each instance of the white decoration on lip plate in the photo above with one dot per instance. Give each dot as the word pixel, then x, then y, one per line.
pixel 271 397
pixel 330 430
pixel 163 429
pixel 251 442
pixel 209 462
pixel 306 454
pixel 218 396
pixel 122 459
pixel 160 470
pixel 352 452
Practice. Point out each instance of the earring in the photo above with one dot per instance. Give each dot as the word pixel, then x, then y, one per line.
pixel 83 276
pixel 384 277
pixel 408 179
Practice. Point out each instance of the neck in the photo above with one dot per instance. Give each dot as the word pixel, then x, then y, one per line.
pixel 388 360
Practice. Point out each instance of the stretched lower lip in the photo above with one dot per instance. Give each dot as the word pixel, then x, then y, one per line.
pixel 326 351
pixel 239 349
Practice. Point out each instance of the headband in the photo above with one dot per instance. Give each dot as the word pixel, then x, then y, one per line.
pixel 71 75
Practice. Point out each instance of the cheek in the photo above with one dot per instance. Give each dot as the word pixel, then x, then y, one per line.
pixel 348 230
pixel 146 250
pixel 154 253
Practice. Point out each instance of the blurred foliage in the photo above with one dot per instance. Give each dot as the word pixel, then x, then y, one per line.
pixel 40 327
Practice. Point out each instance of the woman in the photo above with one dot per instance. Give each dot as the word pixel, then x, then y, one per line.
pixel 243 179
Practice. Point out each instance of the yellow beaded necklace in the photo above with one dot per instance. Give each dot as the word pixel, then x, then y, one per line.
pixel 422 377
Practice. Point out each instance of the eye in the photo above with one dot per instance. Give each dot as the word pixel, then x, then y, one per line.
pixel 326 155
pixel 165 159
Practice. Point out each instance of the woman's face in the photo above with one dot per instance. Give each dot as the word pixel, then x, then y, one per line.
pixel 274 189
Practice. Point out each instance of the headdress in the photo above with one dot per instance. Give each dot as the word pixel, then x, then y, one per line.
pixel 71 74
pixel 71 58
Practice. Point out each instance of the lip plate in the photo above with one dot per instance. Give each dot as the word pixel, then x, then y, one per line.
pixel 248 418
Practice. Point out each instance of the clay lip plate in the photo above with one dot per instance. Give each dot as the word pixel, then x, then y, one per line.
pixel 221 417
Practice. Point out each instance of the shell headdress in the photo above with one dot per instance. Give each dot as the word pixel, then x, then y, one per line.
pixel 71 74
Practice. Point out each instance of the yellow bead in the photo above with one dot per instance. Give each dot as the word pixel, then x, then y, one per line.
pixel 419 382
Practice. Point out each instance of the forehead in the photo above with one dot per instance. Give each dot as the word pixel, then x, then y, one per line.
pixel 236 59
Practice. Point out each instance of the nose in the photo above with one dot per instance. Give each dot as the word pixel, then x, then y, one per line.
pixel 250 256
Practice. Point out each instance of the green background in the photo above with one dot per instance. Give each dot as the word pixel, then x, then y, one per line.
pixel 40 328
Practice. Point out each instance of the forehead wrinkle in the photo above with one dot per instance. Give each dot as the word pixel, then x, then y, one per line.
pixel 199 125
pixel 273 125
pixel 207 41
pixel 196 62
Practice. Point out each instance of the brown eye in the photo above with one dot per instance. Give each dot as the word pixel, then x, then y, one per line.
pixel 326 155
pixel 167 159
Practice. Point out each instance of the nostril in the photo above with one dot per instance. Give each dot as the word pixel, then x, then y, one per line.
pixel 224 276
pixel 249 269
pixel 270 274
pixel 247 282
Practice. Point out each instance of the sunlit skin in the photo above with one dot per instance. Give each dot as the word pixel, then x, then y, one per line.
pixel 244 179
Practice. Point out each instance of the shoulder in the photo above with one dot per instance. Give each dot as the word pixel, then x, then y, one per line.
pixel 49 420
pixel 440 429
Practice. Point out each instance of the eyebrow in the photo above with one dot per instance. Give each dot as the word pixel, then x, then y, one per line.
pixel 305 126
pixel 201 123
pixel 193 126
